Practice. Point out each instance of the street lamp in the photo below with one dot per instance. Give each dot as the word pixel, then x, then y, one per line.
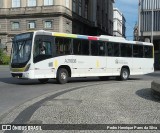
pixel 152 22
pixel 139 19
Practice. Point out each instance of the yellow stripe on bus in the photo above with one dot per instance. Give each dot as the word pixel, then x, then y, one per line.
pixel 64 35
pixel 71 35
pixel 18 69
pixel 60 34
pixel 97 64
pixel 55 64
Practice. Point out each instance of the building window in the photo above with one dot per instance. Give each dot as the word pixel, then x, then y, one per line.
pixel 67 27
pixel 74 6
pixel 86 9
pixel 1 3
pixel 15 25
pixel 67 3
pixel 48 24
pixel 15 3
pixel 80 7
pixel 31 2
pixel 31 25
pixel 48 2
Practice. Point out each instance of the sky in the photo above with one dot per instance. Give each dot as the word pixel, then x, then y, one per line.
pixel 129 8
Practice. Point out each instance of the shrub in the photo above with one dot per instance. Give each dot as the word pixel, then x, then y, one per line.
pixel 4 59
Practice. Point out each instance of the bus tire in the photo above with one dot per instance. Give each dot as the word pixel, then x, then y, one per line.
pixel 124 74
pixel 43 81
pixel 62 76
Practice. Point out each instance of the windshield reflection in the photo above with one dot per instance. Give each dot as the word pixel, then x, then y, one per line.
pixel 21 51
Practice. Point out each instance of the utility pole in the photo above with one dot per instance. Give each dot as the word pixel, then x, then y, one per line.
pixel 139 20
pixel 152 22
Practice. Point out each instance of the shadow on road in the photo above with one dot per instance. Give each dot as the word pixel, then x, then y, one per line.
pixel 18 81
pixel 155 74
pixel 10 80
pixel 147 94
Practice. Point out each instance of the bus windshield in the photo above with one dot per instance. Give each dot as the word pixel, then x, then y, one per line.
pixel 21 51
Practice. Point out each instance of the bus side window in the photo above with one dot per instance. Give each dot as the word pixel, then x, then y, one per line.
pixel 67 46
pixel 63 46
pixel 116 50
pixel 110 49
pixel 42 48
pixel 126 50
pixel 94 48
pixel 76 47
pixel 148 51
pixel 101 48
pixel 138 51
pixel 85 47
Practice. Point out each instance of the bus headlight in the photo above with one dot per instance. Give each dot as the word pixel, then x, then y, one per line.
pixel 27 67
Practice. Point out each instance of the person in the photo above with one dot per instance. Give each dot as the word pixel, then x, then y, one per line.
pixel 42 49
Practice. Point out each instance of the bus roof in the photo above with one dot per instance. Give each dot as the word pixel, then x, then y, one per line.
pixel 101 37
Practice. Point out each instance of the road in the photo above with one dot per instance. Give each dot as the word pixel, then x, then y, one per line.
pixel 14 92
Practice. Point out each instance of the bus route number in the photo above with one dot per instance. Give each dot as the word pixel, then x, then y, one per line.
pixel 70 61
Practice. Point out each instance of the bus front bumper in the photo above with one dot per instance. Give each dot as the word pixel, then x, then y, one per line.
pixel 22 75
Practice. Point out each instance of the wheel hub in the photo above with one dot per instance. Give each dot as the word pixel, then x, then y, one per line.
pixel 63 76
pixel 125 75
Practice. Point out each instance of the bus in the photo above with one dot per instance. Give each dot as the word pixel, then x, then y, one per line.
pixel 45 55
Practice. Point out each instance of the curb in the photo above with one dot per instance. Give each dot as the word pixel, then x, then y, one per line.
pixel 155 86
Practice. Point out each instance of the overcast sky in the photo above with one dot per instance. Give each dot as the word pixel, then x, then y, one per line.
pixel 129 8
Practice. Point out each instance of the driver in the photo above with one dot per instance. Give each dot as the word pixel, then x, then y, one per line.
pixel 42 49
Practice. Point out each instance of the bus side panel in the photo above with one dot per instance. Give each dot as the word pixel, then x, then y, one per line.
pixel 115 64
pixel 44 69
pixel 142 66
pixel 48 68
pixel 148 66
pixel 89 66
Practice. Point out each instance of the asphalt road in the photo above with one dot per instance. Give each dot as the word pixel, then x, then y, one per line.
pixel 14 92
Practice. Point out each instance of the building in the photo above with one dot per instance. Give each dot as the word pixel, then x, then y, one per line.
pixel 145 25
pixel 119 28
pixel 135 33
pixel 89 17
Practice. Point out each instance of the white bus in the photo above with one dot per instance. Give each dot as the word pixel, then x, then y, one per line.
pixel 45 55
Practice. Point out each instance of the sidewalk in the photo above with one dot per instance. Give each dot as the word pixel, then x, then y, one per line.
pixel 116 103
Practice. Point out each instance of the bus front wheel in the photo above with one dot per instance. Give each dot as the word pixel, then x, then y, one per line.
pixel 62 76
pixel 124 74
pixel 43 81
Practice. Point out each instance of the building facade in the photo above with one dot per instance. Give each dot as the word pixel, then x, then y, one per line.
pixel 145 25
pixel 119 28
pixel 89 17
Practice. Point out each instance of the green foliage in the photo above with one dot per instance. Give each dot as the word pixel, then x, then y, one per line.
pixel 4 59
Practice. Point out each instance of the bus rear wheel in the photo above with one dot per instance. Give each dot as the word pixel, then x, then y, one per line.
pixel 124 74
pixel 62 76
pixel 43 81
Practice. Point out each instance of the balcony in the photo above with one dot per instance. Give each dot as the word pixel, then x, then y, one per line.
pixel 57 9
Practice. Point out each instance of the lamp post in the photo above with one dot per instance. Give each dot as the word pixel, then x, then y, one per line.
pixel 139 20
pixel 152 22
